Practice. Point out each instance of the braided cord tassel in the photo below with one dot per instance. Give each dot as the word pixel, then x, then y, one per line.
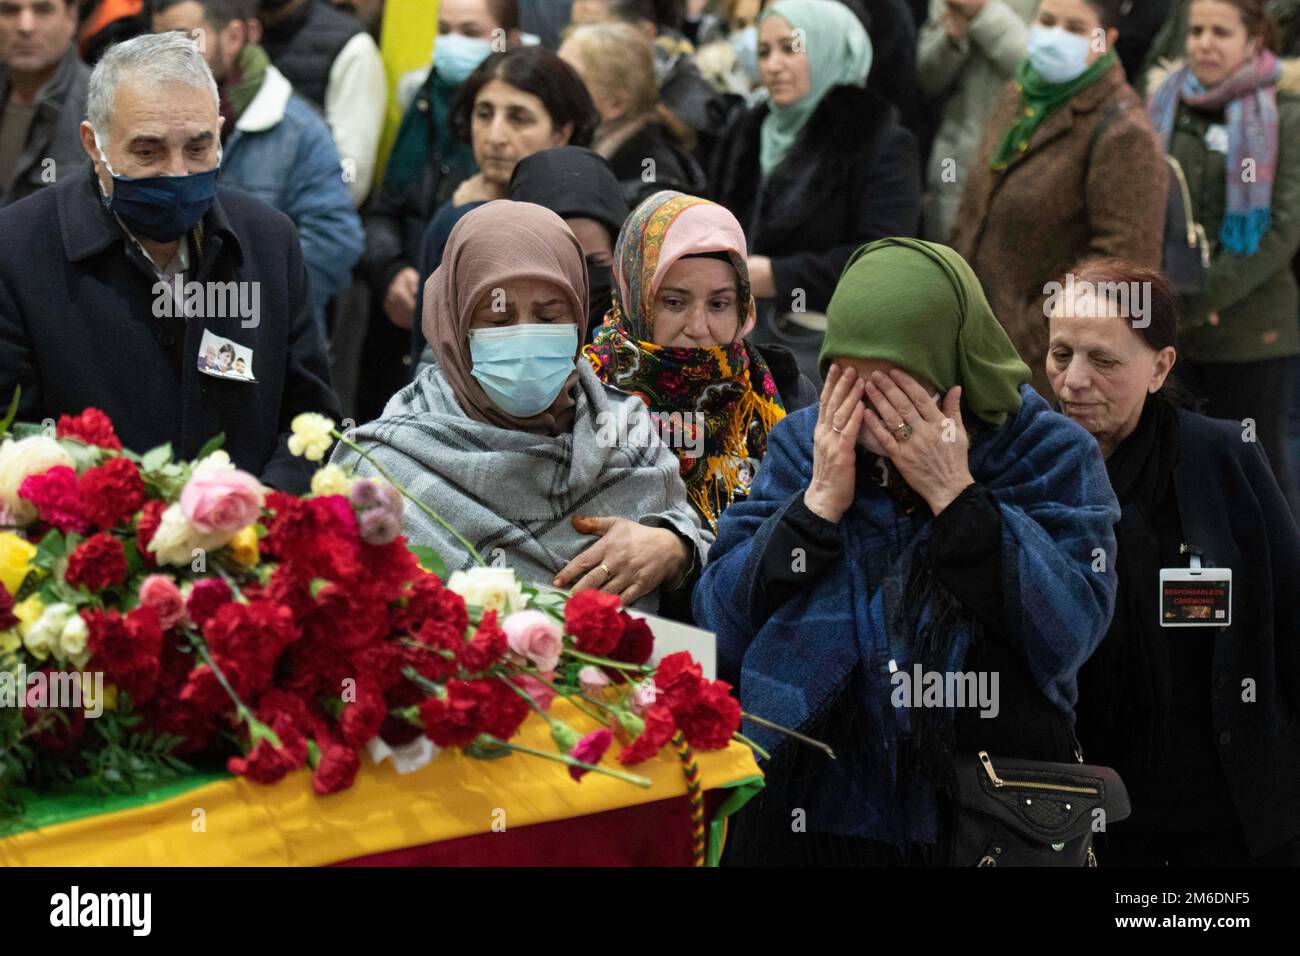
pixel 691 767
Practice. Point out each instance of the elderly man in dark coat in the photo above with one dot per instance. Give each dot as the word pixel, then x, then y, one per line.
pixel 114 282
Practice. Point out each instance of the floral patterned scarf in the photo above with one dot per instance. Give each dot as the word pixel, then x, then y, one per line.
pixel 713 406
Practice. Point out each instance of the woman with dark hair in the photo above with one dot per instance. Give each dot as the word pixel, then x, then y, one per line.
pixel 515 104
pixel 1069 168
pixel 1200 721
pixel 816 170
pixel 1230 116
pixel 425 166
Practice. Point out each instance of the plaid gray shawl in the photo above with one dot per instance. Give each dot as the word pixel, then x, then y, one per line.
pixel 510 493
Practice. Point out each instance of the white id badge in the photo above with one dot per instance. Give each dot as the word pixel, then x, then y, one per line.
pixel 1195 597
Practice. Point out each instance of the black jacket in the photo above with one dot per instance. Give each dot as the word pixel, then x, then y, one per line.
pixel 852 176
pixel 78 328
pixel 55 132
pixel 673 168
pixel 1230 506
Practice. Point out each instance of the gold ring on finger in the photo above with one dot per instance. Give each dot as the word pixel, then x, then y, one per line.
pixel 608 573
pixel 903 432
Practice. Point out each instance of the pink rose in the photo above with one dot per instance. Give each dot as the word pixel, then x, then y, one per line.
pixel 160 592
pixel 219 497
pixel 643 697
pixel 539 692
pixel 536 636
pixel 592 679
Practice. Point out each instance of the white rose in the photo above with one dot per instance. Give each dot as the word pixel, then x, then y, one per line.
pixel 175 540
pixel 217 461
pixel 493 589
pixel 42 638
pixel 18 460
pixel 72 639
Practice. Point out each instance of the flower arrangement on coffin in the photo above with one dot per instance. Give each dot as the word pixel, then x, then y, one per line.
pixel 190 612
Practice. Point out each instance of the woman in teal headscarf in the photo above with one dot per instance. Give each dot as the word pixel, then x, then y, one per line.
pixel 814 171
pixel 931 514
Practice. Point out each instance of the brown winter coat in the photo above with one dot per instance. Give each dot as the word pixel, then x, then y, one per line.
pixel 1062 200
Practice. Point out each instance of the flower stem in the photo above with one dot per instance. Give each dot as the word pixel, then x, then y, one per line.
pixel 789 733
pixel 569 697
pixel 408 496
pixel 245 715
pixel 607 662
pixel 566 759
pixel 751 745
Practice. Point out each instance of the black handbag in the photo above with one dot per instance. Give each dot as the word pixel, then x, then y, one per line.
pixel 1028 812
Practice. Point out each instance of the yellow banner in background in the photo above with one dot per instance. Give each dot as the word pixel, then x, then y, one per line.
pixel 405 43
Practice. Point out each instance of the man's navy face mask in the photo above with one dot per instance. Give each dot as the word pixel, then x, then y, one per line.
pixel 161 208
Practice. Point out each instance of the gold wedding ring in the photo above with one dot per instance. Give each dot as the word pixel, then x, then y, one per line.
pixel 608 573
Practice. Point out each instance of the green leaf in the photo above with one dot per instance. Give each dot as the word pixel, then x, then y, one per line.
pixel 13 410
pixel 211 445
pixel 156 458
pixel 83 456
pixel 429 559
pixel 52 547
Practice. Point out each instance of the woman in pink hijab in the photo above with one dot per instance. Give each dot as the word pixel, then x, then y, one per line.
pixel 522 449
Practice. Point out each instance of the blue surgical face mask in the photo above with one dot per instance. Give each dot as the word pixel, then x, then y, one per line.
pixel 745 44
pixel 523 367
pixel 1060 56
pixel 455 56
pixel 161 208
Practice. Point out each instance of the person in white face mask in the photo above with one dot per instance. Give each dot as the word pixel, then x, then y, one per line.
pixel 512 438
pixel 1069 168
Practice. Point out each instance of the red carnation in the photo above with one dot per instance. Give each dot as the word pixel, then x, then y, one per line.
pixel 204 693
pixel 206 597
pixel 389 568
pixel 471 708
pixel 337 769
pixel 487 646
pixel 112 493
pixel 146 525
pixel 7 618
pixel 97 563
pixel 678 680
pixel 92 427
pixel 710 718
pixel 428 600
pixel 252 636
pixel 276 703
pixel 266 763
pixel 595 619
pixel 57 500
pixel 437 636
pixel 589 750
pixel 635 646
pixel 363 717
pixel 127 649
pixel 659 729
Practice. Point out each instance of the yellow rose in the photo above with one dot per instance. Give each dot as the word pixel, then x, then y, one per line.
pixel 28 612
pixel 330 480
pixel 243 547
pixel 10 641
pixel 311 437
pixel 16 555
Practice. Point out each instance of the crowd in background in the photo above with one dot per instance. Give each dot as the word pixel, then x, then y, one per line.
pixel 726 188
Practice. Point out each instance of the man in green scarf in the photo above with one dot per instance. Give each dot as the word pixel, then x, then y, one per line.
pixel 275 145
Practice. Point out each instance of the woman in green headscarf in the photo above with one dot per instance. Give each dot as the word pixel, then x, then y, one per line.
pixel 1069 168
pixel 814 171
pixel 930 515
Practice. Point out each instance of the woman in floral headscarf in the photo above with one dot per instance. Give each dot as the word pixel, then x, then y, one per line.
pixel 675 336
